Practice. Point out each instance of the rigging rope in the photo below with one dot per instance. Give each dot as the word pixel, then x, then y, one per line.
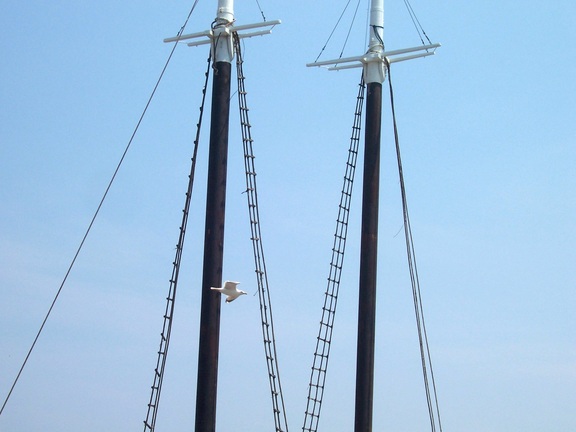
pixel 95 213
pixel 416 22
pixel 350 29
pixel 324 339
pixel 279 409
pixel 425 357
pixel 334 29
pixel 150 421
pixel 261 11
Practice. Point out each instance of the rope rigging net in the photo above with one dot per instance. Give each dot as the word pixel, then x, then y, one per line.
pixel 324 338
pixel 280 421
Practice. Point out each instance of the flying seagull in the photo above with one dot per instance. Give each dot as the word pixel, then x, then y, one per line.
pixel 230 290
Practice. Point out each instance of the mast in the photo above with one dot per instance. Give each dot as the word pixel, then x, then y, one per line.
pixel 220 36
pixel 374 63
pixel 374 75
pixel 207 381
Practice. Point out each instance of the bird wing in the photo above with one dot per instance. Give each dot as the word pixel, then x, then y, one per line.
pixel 230 285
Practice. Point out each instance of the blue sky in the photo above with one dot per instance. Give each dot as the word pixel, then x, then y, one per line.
pixel 488 137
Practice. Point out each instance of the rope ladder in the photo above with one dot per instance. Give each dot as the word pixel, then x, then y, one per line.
pixel 260 264
pixel 152 412
pixel 324 338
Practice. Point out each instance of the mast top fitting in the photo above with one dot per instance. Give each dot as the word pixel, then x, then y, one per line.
pixel 219 36
pixel 228 29
pixel 378 59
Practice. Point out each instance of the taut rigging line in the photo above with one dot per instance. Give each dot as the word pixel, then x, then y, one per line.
pixel 85 236
pixel 152 412
pixel 426 360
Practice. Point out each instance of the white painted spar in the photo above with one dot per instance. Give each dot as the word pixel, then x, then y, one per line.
pixel 220 35
pixel 375 59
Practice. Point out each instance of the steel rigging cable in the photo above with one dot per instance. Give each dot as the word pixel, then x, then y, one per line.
pixel 336 26
pixel 96 213
pixel 416 22
pixel 418 309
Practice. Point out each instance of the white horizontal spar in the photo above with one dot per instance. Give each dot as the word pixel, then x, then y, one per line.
pixel 228 29
pixel 375 60
pixel 241 36
pixel 388 55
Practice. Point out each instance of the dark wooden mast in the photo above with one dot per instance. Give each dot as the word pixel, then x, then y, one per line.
pixel 206 390
pixel 368 261
pixel 207 381
pixel 220 37
pixel 374 63
pixel 374 75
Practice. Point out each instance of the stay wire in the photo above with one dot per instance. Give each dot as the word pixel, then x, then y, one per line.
pixel 260 9
pixel 416 22
pixel 350 29
pixel 96 213
pixel 407 231
pixel 333 30
pixel 422 333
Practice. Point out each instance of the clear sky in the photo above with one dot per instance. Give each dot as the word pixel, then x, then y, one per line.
pixel 487 129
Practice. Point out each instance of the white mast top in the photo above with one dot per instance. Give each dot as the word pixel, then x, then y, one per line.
pixel 375 59
pixel 374 70
pixel 220 35
pixel 225 13
pixel 376 26
pixel 223 45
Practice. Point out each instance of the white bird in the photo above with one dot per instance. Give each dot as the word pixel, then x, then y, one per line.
pixel 230 290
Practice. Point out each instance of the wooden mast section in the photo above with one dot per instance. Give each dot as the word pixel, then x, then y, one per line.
pixel 207 379
pixel 374 63
pixel 220 36
pixel 374 74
